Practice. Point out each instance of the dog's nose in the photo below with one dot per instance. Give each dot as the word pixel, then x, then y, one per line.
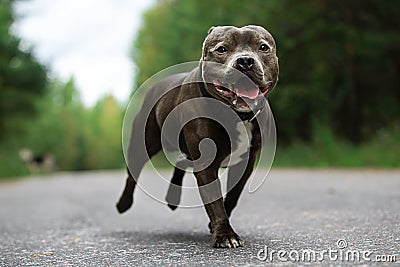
pixel 245 63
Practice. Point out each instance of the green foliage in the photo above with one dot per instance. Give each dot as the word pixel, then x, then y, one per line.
pixel 11 164
pixel 381 151
pixel 339 61
pixel 82 138
pixel 22 78
pixel 104 135
pixel 79 138
pixel 337 102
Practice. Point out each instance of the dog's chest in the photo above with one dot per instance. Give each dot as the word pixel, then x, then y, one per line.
pixel 241 144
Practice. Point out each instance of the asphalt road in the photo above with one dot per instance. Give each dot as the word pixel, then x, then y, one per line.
pixel 69 220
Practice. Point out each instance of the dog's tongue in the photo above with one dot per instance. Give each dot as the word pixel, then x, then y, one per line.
pixel 246 88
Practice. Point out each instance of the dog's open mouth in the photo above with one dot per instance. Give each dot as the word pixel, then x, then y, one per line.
pixel 242 92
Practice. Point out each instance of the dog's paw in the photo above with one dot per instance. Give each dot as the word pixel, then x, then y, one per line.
pixel 172 207
pixel 124 204
pixel 223 236
pixel 173 197
pixel 227 241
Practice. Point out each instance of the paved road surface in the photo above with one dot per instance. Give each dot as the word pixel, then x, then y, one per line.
pixel 69 220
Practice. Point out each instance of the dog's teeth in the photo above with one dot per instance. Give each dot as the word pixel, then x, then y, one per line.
pixel 235 101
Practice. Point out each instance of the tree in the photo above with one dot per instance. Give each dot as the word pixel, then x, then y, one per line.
pixel 339 61
pixel 104 134
pixel 79 137
pixel 59 129
pixel 22 78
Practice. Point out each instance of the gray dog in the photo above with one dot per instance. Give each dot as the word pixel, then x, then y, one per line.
pixel 238 68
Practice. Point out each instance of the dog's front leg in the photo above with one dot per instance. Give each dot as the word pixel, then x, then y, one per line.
pixel 237 178
pixel 223 235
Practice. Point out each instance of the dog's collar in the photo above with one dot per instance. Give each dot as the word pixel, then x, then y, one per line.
pixel 244 116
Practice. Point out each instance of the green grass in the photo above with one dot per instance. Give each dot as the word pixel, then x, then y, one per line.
pixel 11 165
pixel 326 151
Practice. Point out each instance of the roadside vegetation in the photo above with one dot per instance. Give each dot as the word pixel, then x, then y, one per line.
pixel 337 103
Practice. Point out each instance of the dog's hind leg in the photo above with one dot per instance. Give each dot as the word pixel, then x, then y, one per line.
pixel 175 188
pixel 126 199
pixel 144 144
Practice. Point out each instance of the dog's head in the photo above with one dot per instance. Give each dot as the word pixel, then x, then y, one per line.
pixel 239 65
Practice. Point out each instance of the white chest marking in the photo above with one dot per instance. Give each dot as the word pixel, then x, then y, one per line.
pixel 243 144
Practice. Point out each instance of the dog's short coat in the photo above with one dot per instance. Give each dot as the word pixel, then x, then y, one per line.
pixel 250 50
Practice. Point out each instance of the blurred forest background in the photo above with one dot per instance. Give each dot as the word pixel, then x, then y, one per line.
pixel 337 103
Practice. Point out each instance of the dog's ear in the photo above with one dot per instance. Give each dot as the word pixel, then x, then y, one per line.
pixel 204 43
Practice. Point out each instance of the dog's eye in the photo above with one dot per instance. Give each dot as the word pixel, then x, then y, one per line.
pixel 264 48
pixel 221 49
